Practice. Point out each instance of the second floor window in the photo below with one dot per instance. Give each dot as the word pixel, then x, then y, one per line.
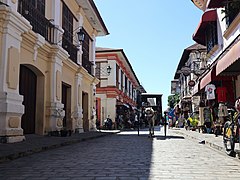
pixel 67 40
pixel 117 77
pixel 39 5
pixel 232 9
pixel 34 12
pixel 122 80
pixel 211 35
pixel 129 89
pixel 85 46
pixel 126 84
pixel 67 25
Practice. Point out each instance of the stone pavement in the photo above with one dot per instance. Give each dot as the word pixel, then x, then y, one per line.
pixel 209 139
pixel 36 143
pixel 126 156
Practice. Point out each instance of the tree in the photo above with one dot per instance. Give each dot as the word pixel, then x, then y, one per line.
pixel 173 100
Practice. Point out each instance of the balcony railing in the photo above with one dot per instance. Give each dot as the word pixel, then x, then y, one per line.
pixel 38 21
pixel 44 27
pixel 70 48
pixel 87 65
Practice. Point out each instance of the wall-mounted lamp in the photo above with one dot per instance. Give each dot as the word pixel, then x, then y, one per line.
pixel 186 71
pixel 109 70
pixel 196 65
pixel 106 70
pixel 80 36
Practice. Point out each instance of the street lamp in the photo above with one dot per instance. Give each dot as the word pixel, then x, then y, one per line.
pixel 105 70
pixel 80 36
pixel 109 70
pixel 194 65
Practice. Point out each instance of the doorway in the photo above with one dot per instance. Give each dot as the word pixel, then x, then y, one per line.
pixel 85 111
pixel 66 101
pixel 27 88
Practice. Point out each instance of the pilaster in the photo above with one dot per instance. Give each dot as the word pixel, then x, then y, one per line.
pixel 12 27
pixel 55 112
pixel 93 108
pixel 78 113
pixel 79 25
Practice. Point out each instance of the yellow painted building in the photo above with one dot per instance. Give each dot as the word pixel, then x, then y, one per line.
pixel 47 75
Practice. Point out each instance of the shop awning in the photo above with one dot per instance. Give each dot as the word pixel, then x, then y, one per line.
pixel 230 63
pixel 199 35
pixel 216 3
pixel 206 79
pixel 211 76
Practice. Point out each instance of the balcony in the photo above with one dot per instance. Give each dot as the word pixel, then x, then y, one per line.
pixel 87 65
pixel 39 22
pixel 44 27
pixel 70 48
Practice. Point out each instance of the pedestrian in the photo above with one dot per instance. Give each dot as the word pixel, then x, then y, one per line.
pixel 97 124
pixel 109 123
pixel 118 121
pixel 217 129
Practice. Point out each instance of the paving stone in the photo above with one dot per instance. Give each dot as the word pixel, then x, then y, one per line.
pixel 126 156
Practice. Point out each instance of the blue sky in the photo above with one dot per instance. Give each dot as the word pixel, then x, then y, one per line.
pixel 153 35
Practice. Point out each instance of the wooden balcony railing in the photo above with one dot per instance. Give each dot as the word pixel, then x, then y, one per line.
pixel 70 48
pixel 44 27
pixel 38 21
pixel 87 65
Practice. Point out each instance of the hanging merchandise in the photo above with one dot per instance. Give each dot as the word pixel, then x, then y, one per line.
pixel 207 114
pixel 222 110
pixel 209 89
pixel 221 94
pixel 201 117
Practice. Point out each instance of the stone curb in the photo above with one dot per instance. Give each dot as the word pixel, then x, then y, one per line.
pixel 28 152
pixel 210 144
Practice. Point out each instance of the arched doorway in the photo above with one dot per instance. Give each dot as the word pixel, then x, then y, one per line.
pixel 27 88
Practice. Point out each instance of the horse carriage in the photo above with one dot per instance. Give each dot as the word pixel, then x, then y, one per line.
pixel 152 110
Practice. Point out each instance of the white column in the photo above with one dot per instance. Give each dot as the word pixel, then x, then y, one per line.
pixel 55 107
pixel 79 25
pixel 93 54
pixel 78 113
pixel 93 108
pixel 11 108
pixel 53 13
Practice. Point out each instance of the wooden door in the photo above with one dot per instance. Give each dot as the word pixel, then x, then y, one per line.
pixel 27 88
pixel 85 112
pixel 66 100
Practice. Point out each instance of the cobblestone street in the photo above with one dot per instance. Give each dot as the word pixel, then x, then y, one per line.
pixel 126 156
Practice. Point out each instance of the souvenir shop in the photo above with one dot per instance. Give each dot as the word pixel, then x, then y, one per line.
pixel 217 99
